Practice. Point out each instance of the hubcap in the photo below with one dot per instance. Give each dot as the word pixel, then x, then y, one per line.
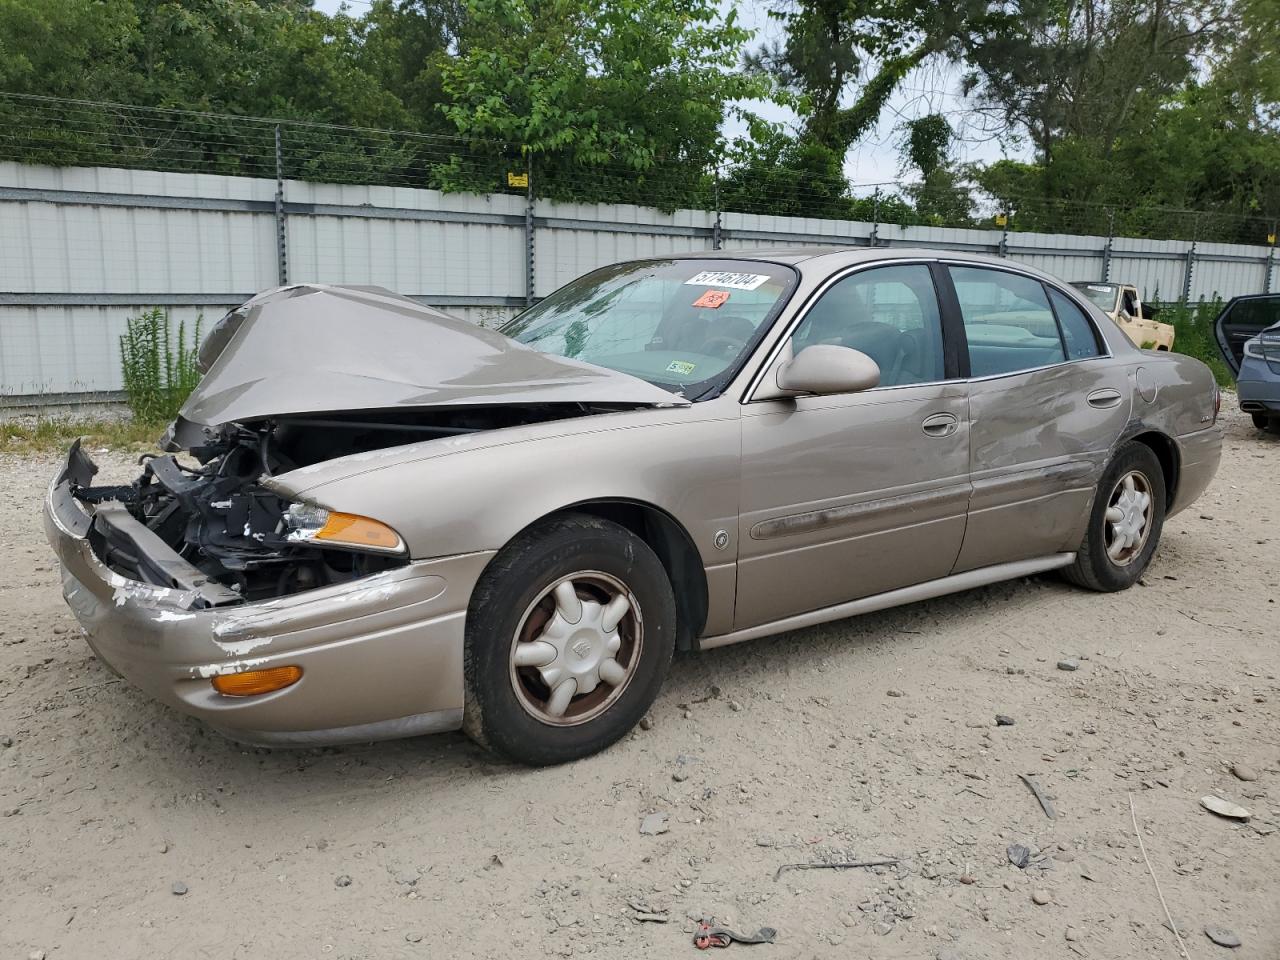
pixel 1128 518
pixel 576 648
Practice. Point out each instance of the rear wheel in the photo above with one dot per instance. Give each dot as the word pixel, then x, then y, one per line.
pixel 1266 421
pixel 1124 523
pixel 569 635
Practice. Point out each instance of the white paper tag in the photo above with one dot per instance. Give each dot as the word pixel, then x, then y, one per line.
pixel 734 281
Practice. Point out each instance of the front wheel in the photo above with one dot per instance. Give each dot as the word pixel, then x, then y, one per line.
pixel 1124 523
pixel 570 632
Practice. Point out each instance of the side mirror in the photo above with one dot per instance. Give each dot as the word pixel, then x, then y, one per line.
pixel 824 369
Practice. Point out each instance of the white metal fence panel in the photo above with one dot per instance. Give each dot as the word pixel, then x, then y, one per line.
pixel 1063 255
pixel 52 350
pixel 757 231
pixel 395 237
pixel 1226 266
pixel 1156 267
pixel 574 238
pixel 81 249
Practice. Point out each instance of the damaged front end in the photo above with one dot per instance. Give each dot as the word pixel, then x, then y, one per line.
pixel 214 582
pixel 160 583
pixel 304 375
pixel 218 516
pixel 218 510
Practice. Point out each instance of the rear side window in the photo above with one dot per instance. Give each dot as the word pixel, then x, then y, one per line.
pixel 1261 312
pixel 1077 331
pixel 1008 322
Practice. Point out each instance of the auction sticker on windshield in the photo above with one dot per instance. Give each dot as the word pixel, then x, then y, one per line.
pixel 712 299
pixel 734 281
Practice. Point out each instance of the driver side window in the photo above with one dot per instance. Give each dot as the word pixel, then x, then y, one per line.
pixel 890 314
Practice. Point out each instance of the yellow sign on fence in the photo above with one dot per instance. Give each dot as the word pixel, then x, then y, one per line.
pixel 1271 239
pixel 1002 220
pixel 517 180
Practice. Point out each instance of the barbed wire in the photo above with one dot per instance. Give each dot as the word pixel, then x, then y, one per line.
pixel 65 132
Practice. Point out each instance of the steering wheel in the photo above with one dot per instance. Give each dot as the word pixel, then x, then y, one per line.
pixel 725 342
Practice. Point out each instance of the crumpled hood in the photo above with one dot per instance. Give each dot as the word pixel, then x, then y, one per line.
pixel 313 348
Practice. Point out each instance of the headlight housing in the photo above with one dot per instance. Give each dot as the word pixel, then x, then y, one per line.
pixel 308 523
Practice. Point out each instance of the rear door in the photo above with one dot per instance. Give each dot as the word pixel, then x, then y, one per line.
pixel 1045 406
pixel 1242 320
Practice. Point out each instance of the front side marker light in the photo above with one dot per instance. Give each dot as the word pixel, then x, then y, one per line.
pixel 252 683
pixel 306 522
pixel 359 532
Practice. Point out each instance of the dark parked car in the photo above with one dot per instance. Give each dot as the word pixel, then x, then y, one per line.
pixel 1248 333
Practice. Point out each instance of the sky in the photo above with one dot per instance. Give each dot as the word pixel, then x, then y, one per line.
pixel 876 159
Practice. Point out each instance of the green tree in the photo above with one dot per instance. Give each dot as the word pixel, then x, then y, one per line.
pixel 1152 118
pixel 773 172
pixel 611 99
pixel 834 49
pixel 66 48
pixel 940 197
pixel 401 44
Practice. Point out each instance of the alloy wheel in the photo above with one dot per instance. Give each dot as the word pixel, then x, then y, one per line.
pixel 576 648
pixel 1127 521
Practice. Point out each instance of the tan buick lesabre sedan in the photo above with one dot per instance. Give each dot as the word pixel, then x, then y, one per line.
pixel 381 521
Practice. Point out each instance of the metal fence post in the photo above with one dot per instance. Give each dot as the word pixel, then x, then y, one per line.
pixel 1106 251
pixel 874 239
pixel 1003 249
pixel 1191 264
pixel 1271 260
pixel 282 243
pixel 716 239
pixel 528 231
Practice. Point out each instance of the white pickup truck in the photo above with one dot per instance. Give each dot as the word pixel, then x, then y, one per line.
pixel 1120 301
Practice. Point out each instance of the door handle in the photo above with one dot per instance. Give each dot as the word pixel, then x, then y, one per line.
pixel 1103 398
pixel 939 424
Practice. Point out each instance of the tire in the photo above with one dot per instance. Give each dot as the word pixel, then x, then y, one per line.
pixel 1094 567
pixel 1266 422
pixel 516 619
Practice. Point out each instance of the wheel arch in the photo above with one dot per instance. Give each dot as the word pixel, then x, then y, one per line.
pixel 1166 451
pixel 675 549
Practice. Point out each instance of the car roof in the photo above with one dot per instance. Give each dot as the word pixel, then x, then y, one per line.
pixel 838 256
pixel 1254 296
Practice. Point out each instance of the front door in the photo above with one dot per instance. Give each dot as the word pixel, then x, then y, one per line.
pixel 851 495
pixel 1044 411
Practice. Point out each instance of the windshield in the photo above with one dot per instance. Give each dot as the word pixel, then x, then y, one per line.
pixel 1102 295
pixel 683 325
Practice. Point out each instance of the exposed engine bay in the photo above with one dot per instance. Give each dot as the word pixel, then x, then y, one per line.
pixel 213 509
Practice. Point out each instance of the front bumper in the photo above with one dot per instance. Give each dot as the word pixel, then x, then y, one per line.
pixel 381 657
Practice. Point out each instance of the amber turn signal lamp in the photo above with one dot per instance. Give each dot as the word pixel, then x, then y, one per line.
pixel 359 532
pixel 251 683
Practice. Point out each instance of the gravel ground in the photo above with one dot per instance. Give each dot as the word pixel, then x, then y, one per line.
pixel 866 739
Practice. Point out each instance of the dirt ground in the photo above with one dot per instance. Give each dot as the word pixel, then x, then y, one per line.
pixel 866 739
